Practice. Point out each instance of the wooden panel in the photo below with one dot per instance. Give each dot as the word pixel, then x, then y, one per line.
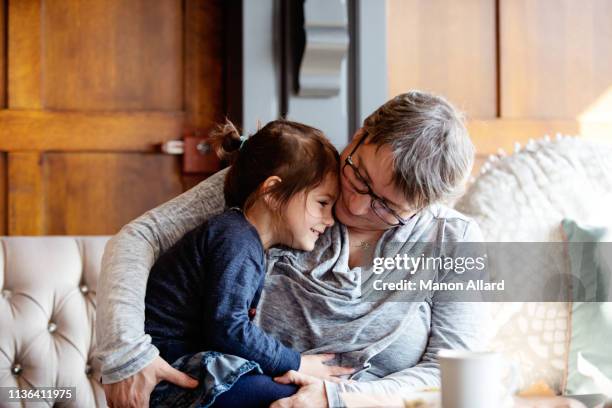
pixel 120 55
pixel 491 135
pixel 24 50
pixel 76 131
pixel 2 54
pixel 97 193
pixel 3 193
pixel 556 58
pixel 204 62
pixel 445 47
pixel 26 198
pixel 94 88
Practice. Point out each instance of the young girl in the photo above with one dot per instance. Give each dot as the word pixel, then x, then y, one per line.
pixel 203 292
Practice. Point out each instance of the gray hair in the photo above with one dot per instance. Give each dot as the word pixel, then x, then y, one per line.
pixel 432 151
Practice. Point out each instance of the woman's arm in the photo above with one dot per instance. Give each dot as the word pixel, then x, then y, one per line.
pixel 122 346
pixel 454 325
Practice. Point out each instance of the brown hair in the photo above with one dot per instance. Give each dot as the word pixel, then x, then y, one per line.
pixel 432 150
pixel 300 155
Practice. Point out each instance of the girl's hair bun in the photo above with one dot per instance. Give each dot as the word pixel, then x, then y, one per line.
pixel 225 139
pixel 300 155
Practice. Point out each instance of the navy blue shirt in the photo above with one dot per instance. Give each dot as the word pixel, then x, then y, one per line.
pixel 200 291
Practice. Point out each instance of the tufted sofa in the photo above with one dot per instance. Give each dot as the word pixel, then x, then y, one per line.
pixel 47 312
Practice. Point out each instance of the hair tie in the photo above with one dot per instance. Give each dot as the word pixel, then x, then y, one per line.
pixel 242 140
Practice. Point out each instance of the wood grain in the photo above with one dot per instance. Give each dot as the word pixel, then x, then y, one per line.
pixel 3 193
pixel 97 193
pixel 444 47
pixel 204 62
pixel 121 55
pixel 3 54
pixel 491 135
pixel 24 55
pixel 26 200
pixel 77 131
pixel 93 89
pixel 556 58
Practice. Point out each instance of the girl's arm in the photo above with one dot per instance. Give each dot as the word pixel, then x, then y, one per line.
pixel 236 272
pixel 122 346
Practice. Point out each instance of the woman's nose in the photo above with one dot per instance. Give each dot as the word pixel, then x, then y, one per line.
pixel 359 204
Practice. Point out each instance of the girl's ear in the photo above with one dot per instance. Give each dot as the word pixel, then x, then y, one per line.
pixel 267 187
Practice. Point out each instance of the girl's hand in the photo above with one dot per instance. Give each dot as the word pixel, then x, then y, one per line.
pixel 314 365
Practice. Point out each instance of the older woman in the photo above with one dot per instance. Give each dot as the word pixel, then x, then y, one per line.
pixel 411 154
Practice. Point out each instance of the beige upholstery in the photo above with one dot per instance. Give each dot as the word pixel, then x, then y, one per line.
pixel 523 198
pixel 47 312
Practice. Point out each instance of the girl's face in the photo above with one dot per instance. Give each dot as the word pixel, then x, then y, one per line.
pixel 307 215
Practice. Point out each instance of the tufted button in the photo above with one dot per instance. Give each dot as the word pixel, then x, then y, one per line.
pixel 88 370
pixel 16 369
pixel 7 293
pixel 84 289
pixel 52 327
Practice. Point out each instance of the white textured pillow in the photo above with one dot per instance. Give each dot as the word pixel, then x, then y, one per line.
pixel 523 198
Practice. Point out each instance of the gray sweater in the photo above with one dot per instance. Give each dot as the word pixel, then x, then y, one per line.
pixel 312 301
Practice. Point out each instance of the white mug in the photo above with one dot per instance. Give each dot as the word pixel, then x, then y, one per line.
pixel 472 379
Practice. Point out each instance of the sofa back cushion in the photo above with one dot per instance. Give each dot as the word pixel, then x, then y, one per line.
pixel 523 198
pixel 47 312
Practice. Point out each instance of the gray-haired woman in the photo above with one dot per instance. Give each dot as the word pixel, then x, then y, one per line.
pixel 409 156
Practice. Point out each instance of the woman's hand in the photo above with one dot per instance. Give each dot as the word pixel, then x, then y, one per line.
pixel 311 393
pixel 134 391
pixel 314 365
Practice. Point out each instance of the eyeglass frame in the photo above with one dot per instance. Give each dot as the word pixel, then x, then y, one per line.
pixel 373 196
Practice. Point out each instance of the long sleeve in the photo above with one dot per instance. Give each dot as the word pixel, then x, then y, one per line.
pixel 454 325
pixel 237 270
pixel 123 348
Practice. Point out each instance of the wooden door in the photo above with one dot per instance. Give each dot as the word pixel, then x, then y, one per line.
pixel 520 69
pixel 89 89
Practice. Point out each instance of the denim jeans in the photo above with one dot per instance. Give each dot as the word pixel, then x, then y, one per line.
pixel 216 373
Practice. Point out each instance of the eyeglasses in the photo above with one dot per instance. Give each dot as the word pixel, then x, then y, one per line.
pixel 361 186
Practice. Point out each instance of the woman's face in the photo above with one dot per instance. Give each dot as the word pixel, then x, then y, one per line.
pixel 376 166
pixel 307 215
